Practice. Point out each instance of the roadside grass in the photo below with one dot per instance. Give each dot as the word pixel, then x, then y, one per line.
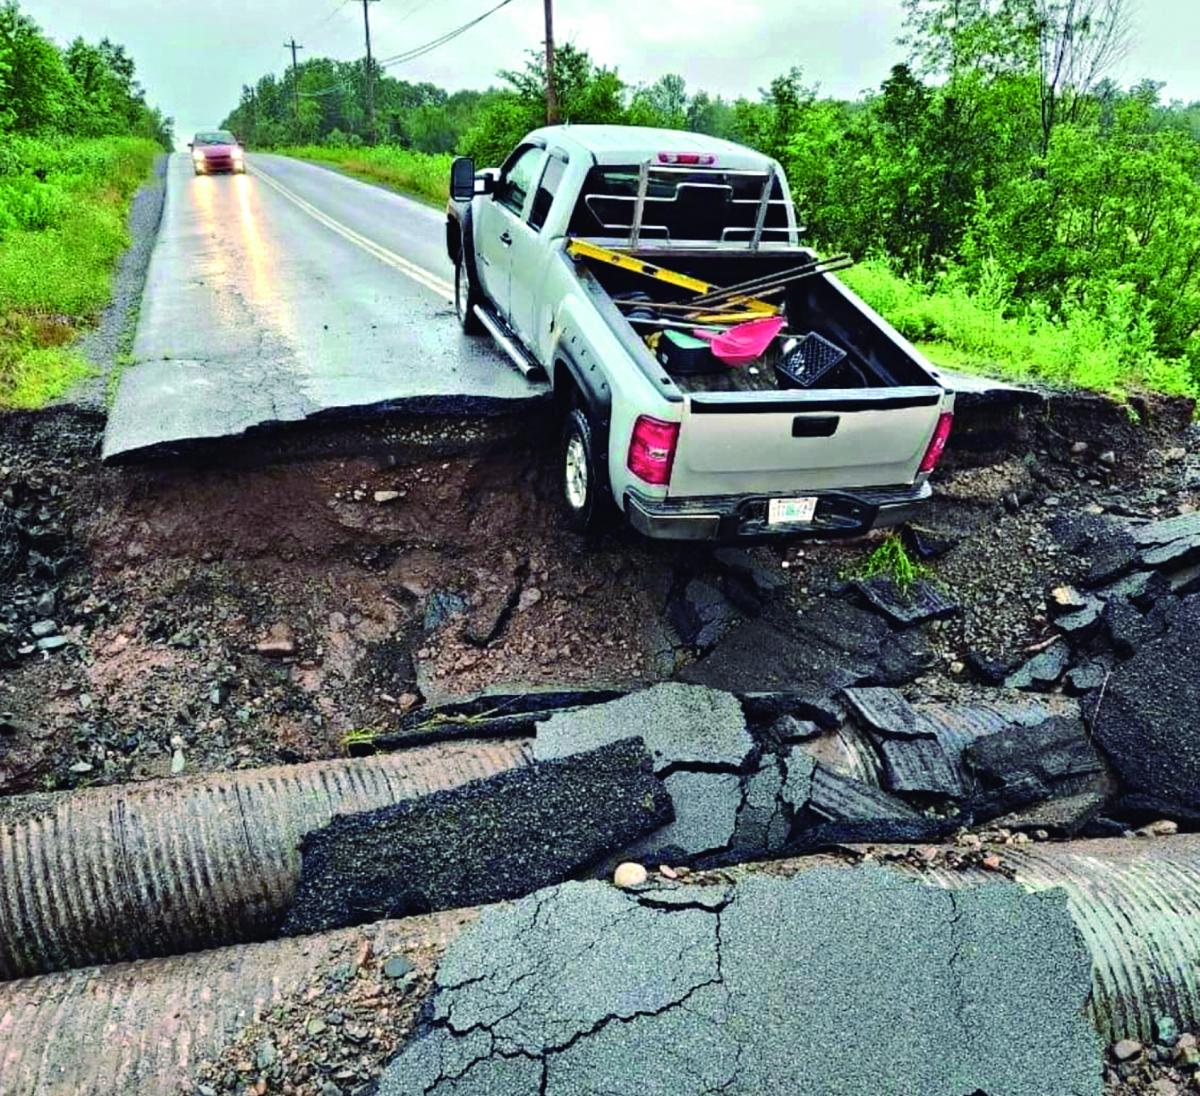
pixel 421 175
pixel 1106 349
pixel 63 207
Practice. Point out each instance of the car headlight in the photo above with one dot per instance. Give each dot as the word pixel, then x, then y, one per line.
pixel 198 157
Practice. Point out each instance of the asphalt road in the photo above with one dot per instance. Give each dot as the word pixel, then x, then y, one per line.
pixel 293 292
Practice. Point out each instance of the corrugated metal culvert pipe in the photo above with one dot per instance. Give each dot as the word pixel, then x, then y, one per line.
pixel 134 871
pixel 142 1029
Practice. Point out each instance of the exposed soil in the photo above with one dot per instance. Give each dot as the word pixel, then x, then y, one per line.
pixel 196 617
pixel 233 617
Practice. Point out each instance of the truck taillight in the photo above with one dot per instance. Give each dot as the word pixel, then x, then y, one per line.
pixel 702 159
pixel 652 449
pixel 937 444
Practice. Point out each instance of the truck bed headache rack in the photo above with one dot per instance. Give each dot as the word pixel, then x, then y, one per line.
pixel 669 197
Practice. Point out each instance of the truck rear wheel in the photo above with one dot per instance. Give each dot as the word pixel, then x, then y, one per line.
pixel 584 495
pixel 466 297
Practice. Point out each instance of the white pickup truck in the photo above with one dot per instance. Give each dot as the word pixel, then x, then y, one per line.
pixel 712 454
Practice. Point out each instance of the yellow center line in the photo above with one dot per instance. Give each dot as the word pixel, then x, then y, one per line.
pixel 397 262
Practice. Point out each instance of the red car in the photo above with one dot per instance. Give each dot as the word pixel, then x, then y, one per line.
pixel 217 150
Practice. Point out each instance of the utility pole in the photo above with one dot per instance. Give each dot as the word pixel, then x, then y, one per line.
pixel 370 71
pixel 293 45
pixel 551 94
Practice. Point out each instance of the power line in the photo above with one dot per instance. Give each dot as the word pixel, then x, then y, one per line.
pixel 441 40
pixel 325 19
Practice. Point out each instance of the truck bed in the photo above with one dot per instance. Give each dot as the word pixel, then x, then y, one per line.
pixel 816 304
pixel 862 427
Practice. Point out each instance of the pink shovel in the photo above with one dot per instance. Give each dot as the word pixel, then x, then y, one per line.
pixel 745 343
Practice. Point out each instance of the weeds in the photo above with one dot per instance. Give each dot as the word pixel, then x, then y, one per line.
pixel 360 736
pixel 891 560
pixel 63 205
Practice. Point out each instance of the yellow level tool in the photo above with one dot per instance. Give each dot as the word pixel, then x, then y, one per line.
pixel 581 249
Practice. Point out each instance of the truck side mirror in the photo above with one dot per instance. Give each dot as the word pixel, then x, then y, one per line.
pixel 462 179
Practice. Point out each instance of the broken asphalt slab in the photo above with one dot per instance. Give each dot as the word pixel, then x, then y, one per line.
pixel 683 726
pixel 706 813
pixel 483 842
pixel 1145 720
pixel 922 603
pixel 832 646
pixel 1049 776
pixel 798 985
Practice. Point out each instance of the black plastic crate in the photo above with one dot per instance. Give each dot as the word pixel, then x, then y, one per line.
pixel 804 364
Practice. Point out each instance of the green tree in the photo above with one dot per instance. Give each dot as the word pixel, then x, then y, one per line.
pixel 663 103
pixel 586 93
pixel 37 85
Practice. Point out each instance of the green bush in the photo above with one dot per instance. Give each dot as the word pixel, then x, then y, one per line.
pixel 29 204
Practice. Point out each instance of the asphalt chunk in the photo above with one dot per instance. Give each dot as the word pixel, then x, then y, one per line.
pixel 486 841
pixel 833 645
pixel 682 725
pixel 923 603
pixel 780 985
pixel 706 812
pixel 1146 724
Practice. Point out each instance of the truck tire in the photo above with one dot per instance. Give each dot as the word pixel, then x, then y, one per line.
pixel 583 491
pixel 466 296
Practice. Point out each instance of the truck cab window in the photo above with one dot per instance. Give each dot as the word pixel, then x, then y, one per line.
pixel 547 189
pixel 518 180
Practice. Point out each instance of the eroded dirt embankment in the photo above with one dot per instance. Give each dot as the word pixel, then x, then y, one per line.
pixel 189 617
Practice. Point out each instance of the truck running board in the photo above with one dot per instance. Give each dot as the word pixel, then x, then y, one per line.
pixel 507 342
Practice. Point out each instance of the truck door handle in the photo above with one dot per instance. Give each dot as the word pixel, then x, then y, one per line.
pixel 814 426
pixel 506 239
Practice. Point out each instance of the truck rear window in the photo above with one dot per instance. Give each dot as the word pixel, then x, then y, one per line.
pixel 705 204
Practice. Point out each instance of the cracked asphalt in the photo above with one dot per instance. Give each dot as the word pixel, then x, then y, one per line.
pixel 833 982
pixel 292 292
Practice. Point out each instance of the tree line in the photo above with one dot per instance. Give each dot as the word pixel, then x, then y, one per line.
pixel 82 90
pixel 999 158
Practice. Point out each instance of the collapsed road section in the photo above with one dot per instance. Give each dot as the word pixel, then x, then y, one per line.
pixel 121 873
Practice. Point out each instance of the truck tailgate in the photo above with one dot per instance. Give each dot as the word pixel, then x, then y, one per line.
pixel 798 443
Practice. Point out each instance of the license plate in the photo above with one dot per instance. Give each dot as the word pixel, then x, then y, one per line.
pixel 791 511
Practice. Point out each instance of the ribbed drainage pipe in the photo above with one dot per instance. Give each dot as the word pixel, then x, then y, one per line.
pixel 142 1029
pixel 172 866
pixel 1136 903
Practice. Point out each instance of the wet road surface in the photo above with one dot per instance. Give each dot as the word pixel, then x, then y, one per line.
pixel 293 292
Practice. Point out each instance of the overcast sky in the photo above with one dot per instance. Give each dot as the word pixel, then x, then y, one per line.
pixel 193 56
